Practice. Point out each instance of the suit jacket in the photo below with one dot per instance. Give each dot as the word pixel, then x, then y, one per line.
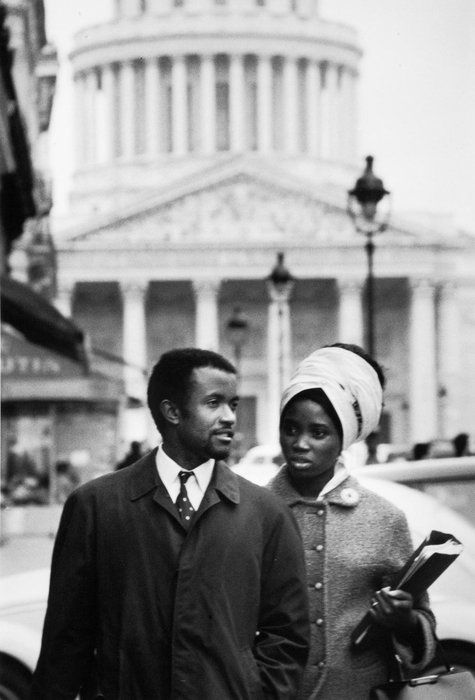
pixel 217 612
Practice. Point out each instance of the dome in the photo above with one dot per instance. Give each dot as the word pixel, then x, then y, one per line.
pixel 189 79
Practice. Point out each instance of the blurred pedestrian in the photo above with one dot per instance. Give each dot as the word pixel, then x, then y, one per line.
pixel 354 540
pixel 461 445
pixel 372 442
pixel 133 455
pixel 182 579
pixel 66 480
pixel 420 450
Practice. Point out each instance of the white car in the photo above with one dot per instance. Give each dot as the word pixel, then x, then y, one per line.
pixel 453 594
pixel 23 596
pixel 260 463
pixel 22 610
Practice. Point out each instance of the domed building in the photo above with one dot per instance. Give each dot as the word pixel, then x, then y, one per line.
pixel 211 136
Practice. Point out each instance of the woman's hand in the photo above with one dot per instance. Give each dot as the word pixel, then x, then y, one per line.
pixel 394 610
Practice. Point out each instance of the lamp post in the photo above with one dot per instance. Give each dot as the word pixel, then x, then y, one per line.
pixel 237 329
pixel 363 202
pixel 280 283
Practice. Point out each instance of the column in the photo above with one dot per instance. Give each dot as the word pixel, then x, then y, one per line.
pixel 345 116
pixel 106 117
pixel 350 316
pixel 208 104
pixel 134 337
pixel 80 119
pixel 333 110
pixel 236 99
pixel 324 113
pixel 127 108
pixel 352 116
pixel 179 100
pixel 449 361
pixel 313 120
pixel 90 84
pixel 152 109
pixel 64 297
pixel 279 354
pixel 290 90
pixel 290 102
pixel 264 103
pixel 206 319
pixel 422 362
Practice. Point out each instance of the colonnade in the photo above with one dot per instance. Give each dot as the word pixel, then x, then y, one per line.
pixel 180 104
pixel 433 335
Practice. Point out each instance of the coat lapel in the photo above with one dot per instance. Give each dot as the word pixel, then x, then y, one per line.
pixel 144 479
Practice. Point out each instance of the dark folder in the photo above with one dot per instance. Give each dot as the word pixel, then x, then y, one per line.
pixel 433 556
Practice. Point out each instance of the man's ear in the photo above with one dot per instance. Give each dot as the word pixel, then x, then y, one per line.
pixel 170 411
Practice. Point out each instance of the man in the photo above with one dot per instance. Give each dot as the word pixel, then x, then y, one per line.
pixel 177 587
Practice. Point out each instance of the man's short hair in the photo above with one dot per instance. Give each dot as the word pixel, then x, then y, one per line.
pixel 171 378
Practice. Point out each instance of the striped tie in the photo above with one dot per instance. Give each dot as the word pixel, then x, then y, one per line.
pixel 183 504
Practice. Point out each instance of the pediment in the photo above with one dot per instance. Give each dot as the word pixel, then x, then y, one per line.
pixel 236 204
pixel 241 207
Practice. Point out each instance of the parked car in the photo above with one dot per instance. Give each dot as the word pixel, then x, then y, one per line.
pixel 22 610
pixel 453 594
pixel 23 596
pixel 449 479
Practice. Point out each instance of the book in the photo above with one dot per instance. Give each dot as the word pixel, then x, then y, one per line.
pixel 433 556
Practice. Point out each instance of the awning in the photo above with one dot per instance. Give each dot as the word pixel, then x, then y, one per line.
pixel 39 321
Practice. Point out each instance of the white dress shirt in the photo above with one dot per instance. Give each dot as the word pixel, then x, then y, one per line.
pixel 196 485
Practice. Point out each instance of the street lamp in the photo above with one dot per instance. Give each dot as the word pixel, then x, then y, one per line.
pixel 237 329
pixel 362 208
pixel 280 279
pixel 280 283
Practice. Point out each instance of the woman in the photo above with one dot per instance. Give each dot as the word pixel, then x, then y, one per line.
pixel 354 540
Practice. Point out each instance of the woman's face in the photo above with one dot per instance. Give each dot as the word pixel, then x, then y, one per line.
pixel 309 439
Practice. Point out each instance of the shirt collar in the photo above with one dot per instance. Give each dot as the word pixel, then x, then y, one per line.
pixel 168 470
pixel 341 473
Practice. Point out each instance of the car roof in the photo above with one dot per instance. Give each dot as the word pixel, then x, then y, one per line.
pixel 440 469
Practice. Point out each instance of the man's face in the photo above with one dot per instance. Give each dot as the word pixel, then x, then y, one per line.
pixel 206 426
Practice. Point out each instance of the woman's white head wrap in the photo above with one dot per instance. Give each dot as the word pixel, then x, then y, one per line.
pixel 351 385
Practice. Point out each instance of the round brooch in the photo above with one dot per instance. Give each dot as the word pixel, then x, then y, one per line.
pixel 349 496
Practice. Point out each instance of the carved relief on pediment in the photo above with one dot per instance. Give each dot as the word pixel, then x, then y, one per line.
pixel 238 210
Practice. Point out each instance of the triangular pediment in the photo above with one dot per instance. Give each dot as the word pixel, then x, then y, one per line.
pixel 238 202
pixel 235 206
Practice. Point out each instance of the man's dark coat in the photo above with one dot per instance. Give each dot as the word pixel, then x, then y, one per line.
pixel 218 613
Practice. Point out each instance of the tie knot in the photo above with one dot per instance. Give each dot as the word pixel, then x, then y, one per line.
pixel 184 476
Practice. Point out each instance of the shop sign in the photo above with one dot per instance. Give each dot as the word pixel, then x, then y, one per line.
pixel 24 360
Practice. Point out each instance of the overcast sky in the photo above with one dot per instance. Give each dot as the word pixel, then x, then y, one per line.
pixel 417 99
pixel 416 96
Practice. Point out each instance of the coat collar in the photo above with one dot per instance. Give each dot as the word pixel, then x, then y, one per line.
pixel 143 478
pixel 346 494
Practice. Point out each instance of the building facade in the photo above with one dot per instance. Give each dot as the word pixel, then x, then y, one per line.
pixel 210 136
pixel 54 404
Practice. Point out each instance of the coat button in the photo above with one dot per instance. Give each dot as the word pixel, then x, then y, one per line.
pixel 318 585
pixel 319 622
pixel 320 512
pixel 319 547
pixel 321 664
